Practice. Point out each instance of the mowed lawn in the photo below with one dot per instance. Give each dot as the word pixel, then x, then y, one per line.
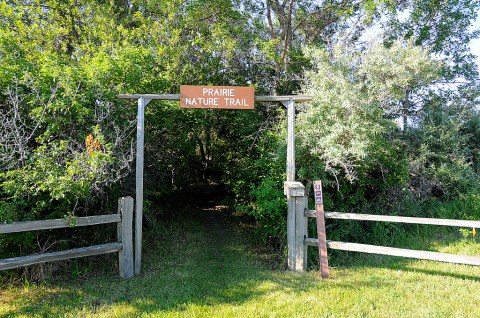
pixel 208 269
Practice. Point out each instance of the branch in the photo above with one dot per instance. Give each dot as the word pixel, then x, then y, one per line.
pixel 269 19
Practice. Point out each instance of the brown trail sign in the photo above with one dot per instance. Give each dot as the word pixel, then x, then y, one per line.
pixel 224 97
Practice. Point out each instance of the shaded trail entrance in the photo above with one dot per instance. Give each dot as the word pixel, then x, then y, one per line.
pixel 288 102
pixel 206 207
pixel 209 207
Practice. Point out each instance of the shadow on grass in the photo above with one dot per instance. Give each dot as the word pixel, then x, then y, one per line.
pixel 197 263
pixel 357 260
pixel 200 261
pixel 443 273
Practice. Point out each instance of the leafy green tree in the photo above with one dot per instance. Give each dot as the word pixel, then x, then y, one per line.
pixel 285 26
pixel 445 28
pixel 442 26
pixel 355 95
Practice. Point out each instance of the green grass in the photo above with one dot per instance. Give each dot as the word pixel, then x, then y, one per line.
pixel 200 268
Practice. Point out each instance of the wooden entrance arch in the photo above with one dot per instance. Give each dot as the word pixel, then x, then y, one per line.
pixel 291 187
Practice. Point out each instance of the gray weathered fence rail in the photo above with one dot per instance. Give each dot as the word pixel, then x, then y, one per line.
pixel 384 250
pixel 297 228
pixel 124 245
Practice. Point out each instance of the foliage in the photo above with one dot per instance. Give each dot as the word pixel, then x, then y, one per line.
pixel 444 27
pixel 259 192
pixel 440 164
pixel 269 208
pixel 348 125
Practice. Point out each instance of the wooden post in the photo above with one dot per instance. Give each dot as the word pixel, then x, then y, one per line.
pixel 142 102
pixel 301 232
pixel 290 105
pixel 296 201
pixel 125 236
pixel 296 226
pixel 290 228
pixel 321 233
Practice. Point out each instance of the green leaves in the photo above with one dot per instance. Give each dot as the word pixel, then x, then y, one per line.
pixel 356 95
pixel 442 26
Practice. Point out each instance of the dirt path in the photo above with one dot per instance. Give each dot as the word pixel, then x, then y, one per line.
pixel 208 209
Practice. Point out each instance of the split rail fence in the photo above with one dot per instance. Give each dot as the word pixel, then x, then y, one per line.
pixel 298 240
pixel 124 245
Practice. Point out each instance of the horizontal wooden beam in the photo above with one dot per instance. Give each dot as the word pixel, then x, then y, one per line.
pixel 296 98
pixel 392 251
pixel 150 96
pixel 396 219
pixel 15 227
pixel 23 261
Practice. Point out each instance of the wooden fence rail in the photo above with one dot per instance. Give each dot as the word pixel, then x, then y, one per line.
pixel 15 227
pixel 392 251
pixel 396 219
pixel 297 224
pixel 124 245
pixel 384 250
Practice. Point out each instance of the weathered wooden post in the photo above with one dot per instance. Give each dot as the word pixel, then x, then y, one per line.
pixel 142 102
pixel 321 232
pixel 296 226
pixel 139 184
pixel 125 236
pixel 290 105
pixel 296 201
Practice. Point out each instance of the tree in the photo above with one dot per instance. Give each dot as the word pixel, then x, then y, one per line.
pixel 285 26
pixel 355 94
pixel 444 28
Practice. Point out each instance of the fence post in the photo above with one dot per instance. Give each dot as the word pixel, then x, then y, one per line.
pixel 296 226
pixel 321 232
pixel 125 236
